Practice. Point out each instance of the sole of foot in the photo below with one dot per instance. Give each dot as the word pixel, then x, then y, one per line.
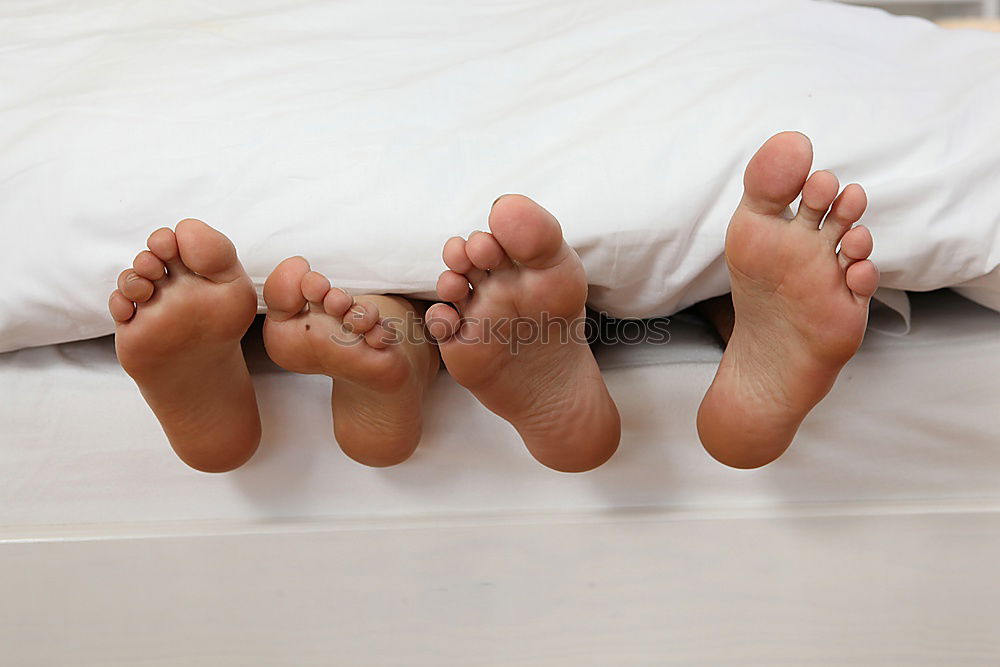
pixel 514 335
pixel 373 348
pixel 801 286
pixel 180 313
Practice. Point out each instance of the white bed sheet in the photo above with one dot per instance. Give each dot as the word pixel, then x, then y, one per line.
pixel 913 419
pixel 390 126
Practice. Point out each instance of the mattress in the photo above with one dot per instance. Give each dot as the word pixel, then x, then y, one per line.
pixel 880 524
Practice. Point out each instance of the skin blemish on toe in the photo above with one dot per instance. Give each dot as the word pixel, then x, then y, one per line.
pixel 307 327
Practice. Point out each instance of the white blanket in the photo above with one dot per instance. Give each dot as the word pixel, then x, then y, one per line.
pixel 362 135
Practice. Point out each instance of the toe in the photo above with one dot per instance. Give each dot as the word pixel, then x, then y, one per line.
pixel 453 287
pixel 134 287
pixel 337 301
pixel 149 266
pixel 856 245
pixel 846 210
pixel 379 337
pixel 776 173
pixel 457 259
pixel 121 308
pixel 442 321
pixel 526 232
pixel 207 251
pixel 862 278
pixel 362 316
pixel 817 195
pixel 485 252
pixel 314 287
pixel 163 244
pixel 454 255
pixel 283 289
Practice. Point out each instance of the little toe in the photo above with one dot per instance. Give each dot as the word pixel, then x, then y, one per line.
pixel 453 287
pixel 337 302
pixel 361 317
pixel 856 245
pixel 846 210
pixel 862 278
pixel 817 194
pixel 207 251
pixel 442 321
pixel 776 173
pixel 134 287
pixel 283 289
pixel 149 266
pixel 314 287
pixel 120 307
pixel 485 252
pixel 526 232
pixel 163 244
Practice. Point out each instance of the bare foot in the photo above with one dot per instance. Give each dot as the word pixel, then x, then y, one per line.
pixel 801 306
pixel 528 290
pixel 181 311
pixel 373 348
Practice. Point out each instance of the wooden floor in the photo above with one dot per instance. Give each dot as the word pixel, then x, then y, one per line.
pixel 992 25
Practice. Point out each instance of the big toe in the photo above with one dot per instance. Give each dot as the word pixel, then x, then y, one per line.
pixel 283 289
pixel 207 251
pixel 527 232
pixel 442 321
pixel 776 173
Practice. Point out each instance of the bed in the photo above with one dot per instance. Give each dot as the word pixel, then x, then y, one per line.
pixel 873 540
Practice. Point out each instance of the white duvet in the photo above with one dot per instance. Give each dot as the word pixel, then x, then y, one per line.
pixel 362 135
